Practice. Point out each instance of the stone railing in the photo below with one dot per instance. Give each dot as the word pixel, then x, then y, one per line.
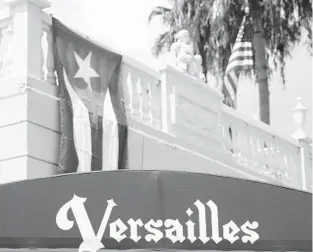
pixel 168 100
pixel 141 92
pixel 256 146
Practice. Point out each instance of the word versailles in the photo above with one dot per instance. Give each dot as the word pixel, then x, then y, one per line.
pixel 156 230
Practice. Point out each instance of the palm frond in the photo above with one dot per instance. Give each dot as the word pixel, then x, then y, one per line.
pixel 163 41
pixel 159 11
pixel 282 23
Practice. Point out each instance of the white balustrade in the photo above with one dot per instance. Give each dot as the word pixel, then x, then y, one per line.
pixel 141 93
pixel 255 146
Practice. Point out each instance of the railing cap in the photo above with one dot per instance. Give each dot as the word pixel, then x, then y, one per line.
pixel 141 66
pixel 194 81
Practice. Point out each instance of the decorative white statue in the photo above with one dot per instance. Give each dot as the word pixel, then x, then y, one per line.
pixel 196 68
pixel 182 56
pixel 182 51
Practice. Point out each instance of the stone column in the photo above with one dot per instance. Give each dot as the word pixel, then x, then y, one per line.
pixel 299 113
pixel 190 109
pixel 29 121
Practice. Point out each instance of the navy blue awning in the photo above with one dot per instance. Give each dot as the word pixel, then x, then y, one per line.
pixel 154 209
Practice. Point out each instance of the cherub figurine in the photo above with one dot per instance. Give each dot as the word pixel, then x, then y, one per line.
pixel 196 68
pixel 182 51
pixel 183 57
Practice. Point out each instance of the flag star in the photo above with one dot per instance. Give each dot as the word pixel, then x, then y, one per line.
pixel 85 71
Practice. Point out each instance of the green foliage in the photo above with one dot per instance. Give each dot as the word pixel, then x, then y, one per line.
pixel 214 25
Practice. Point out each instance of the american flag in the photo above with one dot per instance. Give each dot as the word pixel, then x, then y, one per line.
pixel 241 58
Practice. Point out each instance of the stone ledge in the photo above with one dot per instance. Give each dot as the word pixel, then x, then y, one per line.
pixel 31 104
pixel 24 167
pixel 26 138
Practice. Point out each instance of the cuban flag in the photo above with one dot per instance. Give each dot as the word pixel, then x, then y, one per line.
pixel 92 135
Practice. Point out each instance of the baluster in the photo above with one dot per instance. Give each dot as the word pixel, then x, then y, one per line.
pixel 296 175
pixel 241 141
pixel 287 171
pixel 294 162
pixel 236 139
pixel 275 170
pixel 155 100
pixel 288 161
pixel 43 55
pixel 145 100
pixel 259 154
pixel 136 95
pixel 278 158
pixel 245 143
pixel 172 108
pixel 221 132
pixel 297 165
pixel 262 153
pixel 127 92
pixel 266 151
pixel 250 150
pixel 228 135
pixel 282 161
pixel 256 151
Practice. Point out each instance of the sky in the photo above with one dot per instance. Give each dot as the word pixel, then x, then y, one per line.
pixel 122 25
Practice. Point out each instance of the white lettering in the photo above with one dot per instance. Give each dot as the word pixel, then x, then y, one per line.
pixel 117 228
pixel 214 221
pixel 202 222
pixel 229 232
pixel 174 227
pixel 251 236
pixel 190 227
pixel 155 234
pixel 134 230
pixel 91 241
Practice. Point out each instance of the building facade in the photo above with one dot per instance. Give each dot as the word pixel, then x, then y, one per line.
pixel 176 122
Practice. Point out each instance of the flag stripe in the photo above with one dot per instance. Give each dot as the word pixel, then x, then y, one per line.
pixel 229 88
pixel 233 80
pixel 241 57
pixel 232 84
pixel 239 63
pixel 239 45
pixel 241 53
